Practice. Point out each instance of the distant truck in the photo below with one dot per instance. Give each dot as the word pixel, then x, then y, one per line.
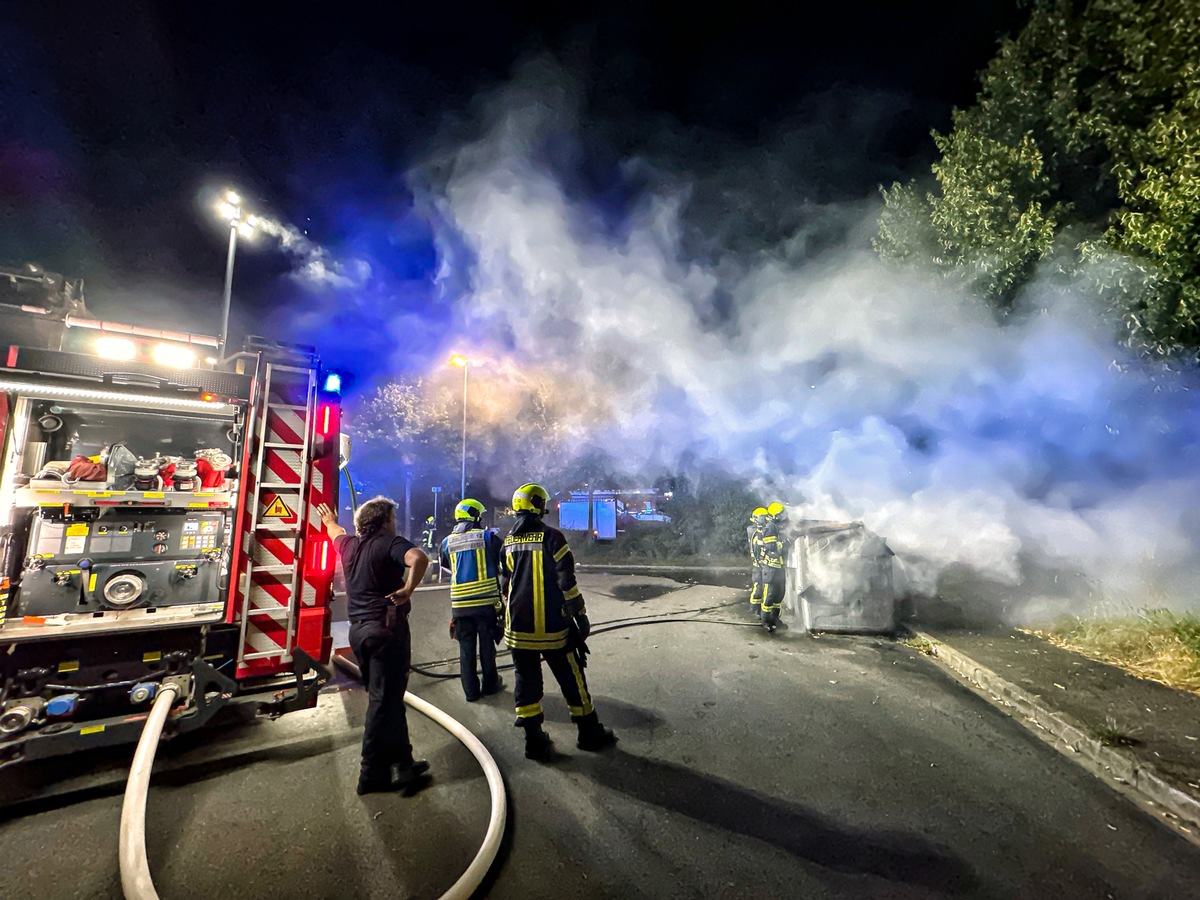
pixel 606 513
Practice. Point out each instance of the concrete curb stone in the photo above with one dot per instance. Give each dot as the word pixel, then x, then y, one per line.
pixel 1121 770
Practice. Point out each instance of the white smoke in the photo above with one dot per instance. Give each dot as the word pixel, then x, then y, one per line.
pixel 315 266
pixel 1022 451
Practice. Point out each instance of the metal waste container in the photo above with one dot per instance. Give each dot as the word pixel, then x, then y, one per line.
pixel 839 578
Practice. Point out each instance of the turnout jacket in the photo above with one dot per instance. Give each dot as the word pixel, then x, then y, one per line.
pixel 754 535
pixel 473 557
pixel 537 573
pixel 773 554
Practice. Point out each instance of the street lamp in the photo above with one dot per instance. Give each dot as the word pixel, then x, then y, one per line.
pixel 230 209
pixel 463 363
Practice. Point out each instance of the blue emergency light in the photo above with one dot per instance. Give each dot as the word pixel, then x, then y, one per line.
pixel 333 383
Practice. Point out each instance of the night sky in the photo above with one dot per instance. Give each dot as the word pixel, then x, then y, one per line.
pixel 115 119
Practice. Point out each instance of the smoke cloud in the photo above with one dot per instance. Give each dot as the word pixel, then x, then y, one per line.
pixel 1033 455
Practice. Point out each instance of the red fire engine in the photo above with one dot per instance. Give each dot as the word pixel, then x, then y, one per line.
pixel 158 523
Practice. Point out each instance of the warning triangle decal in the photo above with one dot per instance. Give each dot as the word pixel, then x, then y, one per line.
pixel 277 509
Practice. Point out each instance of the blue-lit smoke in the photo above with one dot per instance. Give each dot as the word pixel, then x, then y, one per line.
pixel 1034 453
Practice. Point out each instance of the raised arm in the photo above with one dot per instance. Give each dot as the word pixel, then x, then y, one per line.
pixel 329 520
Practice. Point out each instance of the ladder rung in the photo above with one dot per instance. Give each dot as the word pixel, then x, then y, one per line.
pixel 277 612
pixel 271 570
pixel 277 485
pixel 279 446
pixel 264 654
pixel 292 406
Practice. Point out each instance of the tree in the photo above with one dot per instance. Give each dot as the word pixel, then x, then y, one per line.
pixel 1083 138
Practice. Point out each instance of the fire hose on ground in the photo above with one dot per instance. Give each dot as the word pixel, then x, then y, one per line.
pixel 136 880
pixel 475 872
pixel 135 870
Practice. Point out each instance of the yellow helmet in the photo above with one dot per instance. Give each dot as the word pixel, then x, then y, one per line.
pixel 777 510
pixel 531 498
pixel 469 510
pixel 758 516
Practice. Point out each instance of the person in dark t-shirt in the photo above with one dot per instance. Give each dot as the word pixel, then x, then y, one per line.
pixel 382 569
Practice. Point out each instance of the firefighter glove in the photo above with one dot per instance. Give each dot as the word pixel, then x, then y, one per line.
pixel 584 626
pixel 453 634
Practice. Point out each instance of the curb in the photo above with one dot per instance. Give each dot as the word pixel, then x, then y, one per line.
pixel 1120 770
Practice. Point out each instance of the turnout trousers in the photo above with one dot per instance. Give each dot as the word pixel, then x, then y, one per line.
pixel 476 633
pixel 527 694
pixel 774 585
pixel 384 655
pixel 756 589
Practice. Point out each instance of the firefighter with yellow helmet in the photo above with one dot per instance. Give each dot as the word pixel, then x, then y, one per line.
pixel 774 561
pixel 758 519
pixel 546 619
pixel 471 553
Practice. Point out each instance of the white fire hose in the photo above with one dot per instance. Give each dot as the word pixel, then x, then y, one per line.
pixel 471 878
pixel 135 870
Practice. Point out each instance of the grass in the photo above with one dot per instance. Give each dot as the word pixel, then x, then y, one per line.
pixel 1113 735
pixel 1156 644
pixel 918 643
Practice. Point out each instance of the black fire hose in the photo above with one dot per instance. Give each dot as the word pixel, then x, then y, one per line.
pixel 611 625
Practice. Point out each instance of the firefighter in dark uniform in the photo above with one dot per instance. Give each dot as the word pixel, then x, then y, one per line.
pixel 754 530
pixel 382 570
pixel 428 544
pixel 471 554
pixel 774 561
pixel 546 619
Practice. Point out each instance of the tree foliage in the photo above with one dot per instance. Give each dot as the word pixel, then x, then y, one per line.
pixel 1086 137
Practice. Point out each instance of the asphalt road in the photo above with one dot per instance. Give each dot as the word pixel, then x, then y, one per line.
pixel 749 766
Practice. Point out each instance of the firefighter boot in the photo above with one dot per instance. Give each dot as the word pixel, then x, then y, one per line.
pixel 537 744
pixel 593 735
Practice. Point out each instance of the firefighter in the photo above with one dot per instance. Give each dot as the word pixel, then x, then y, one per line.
pixel 382 570
pixel 546 619
pixel 774 559
pixel 754 530
pixel 427 536
pixel 471 554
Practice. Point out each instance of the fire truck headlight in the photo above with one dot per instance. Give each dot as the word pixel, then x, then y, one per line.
pixel 116 348
pixel 174 355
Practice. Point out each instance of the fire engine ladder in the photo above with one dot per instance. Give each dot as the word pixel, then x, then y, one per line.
pixel 275 547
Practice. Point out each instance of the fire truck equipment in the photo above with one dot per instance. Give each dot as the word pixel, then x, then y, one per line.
pixel 18 716
pixel 145 474
pixel 140 693
pixel 151 558
pixel 62 706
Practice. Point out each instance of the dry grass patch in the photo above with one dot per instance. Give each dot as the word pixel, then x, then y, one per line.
pixel 1156 644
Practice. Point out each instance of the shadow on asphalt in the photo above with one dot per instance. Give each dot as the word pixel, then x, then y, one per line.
pixel 614 713
pixel 796 830
pixel 639 593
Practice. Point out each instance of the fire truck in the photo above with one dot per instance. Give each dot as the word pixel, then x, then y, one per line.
pixel 157 524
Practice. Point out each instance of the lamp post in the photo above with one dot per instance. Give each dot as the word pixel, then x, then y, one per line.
pixel 230 209
pixel 463 363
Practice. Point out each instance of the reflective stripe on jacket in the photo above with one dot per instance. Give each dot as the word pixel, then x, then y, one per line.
pixel 538 571
pixel 473 557
pixel 774 551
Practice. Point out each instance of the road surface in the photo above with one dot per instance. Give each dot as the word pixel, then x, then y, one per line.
pixel 750 766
